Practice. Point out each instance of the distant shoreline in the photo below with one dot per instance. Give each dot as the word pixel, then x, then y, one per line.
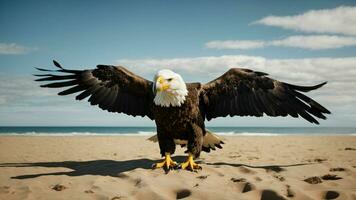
pixel 146 131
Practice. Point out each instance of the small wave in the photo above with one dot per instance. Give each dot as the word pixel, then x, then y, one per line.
pixel 49 134
pixel 147 133
pixel 280 134
pixel 225 133
pixel 260 134
pixel 247 134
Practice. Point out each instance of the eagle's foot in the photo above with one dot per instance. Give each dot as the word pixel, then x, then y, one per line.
pixel 166 164
pixel 190 164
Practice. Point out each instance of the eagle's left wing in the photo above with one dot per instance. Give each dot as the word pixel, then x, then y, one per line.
pixel 112 88
pixel 245 92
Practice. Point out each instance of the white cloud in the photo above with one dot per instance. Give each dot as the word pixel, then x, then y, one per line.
pixel 340 20
pixel 315 42
pixel 198 65
pixel 312 42
pixel 22 90
pixel 234 44
pixel 14 49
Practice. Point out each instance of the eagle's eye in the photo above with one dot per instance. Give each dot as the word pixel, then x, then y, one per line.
pixel 170 79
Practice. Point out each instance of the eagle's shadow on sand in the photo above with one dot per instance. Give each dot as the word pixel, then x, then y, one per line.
pixel 94 167
pixel 115 168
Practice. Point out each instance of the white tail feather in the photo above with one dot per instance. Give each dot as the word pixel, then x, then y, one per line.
pixel 210 140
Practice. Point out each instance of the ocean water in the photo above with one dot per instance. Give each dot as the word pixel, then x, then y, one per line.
pixel 263 131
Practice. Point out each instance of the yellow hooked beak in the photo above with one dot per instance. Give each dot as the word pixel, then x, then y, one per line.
pixel 162 83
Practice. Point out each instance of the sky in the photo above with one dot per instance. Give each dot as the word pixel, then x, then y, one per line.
pixel 299 42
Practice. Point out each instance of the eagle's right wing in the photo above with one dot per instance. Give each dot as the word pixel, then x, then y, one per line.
pixel 112 88
pixel 244 92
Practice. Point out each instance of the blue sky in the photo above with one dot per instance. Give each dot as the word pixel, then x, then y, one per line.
pixel 294 41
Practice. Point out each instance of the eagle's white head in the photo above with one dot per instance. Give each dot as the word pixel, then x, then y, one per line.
pixel 169 88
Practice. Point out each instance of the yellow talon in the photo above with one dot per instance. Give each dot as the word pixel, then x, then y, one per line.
pixel 167 163
pixel 190 164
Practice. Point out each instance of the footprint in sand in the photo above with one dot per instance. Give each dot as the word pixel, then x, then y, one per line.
pixel 202 177
pixel 331 195
pixel 331 177
pixel 184 193
pixel 279 177
pixel 320 160
pixel 117 198
pixel 245 186
pixel 238 180
pixel 337 169
pixel 313 180
pixel 290 192
pixel 274 169
pixel 316 179
pixel 59 187
pixel 270 194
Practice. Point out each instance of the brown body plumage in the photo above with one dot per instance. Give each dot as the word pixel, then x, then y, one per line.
pixel 238 92
pixel 185 122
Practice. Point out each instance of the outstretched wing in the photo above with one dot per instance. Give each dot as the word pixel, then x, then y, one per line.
pixel 112 88
pixel 245 92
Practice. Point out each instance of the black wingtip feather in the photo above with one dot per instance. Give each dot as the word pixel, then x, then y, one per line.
pixel 72 90
pixel 57 64
pixel 83 95
pixel 61 84
pixel 44 70
pixel 306 88
pixel 311 102
pixel 40 75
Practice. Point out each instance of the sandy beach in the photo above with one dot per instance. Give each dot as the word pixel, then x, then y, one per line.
pixel 119 167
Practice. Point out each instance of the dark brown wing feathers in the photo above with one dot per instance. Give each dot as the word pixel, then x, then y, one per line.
pixel 112 88
pixel 245 92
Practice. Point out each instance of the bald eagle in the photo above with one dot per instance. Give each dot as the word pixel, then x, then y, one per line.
pixel 179 109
